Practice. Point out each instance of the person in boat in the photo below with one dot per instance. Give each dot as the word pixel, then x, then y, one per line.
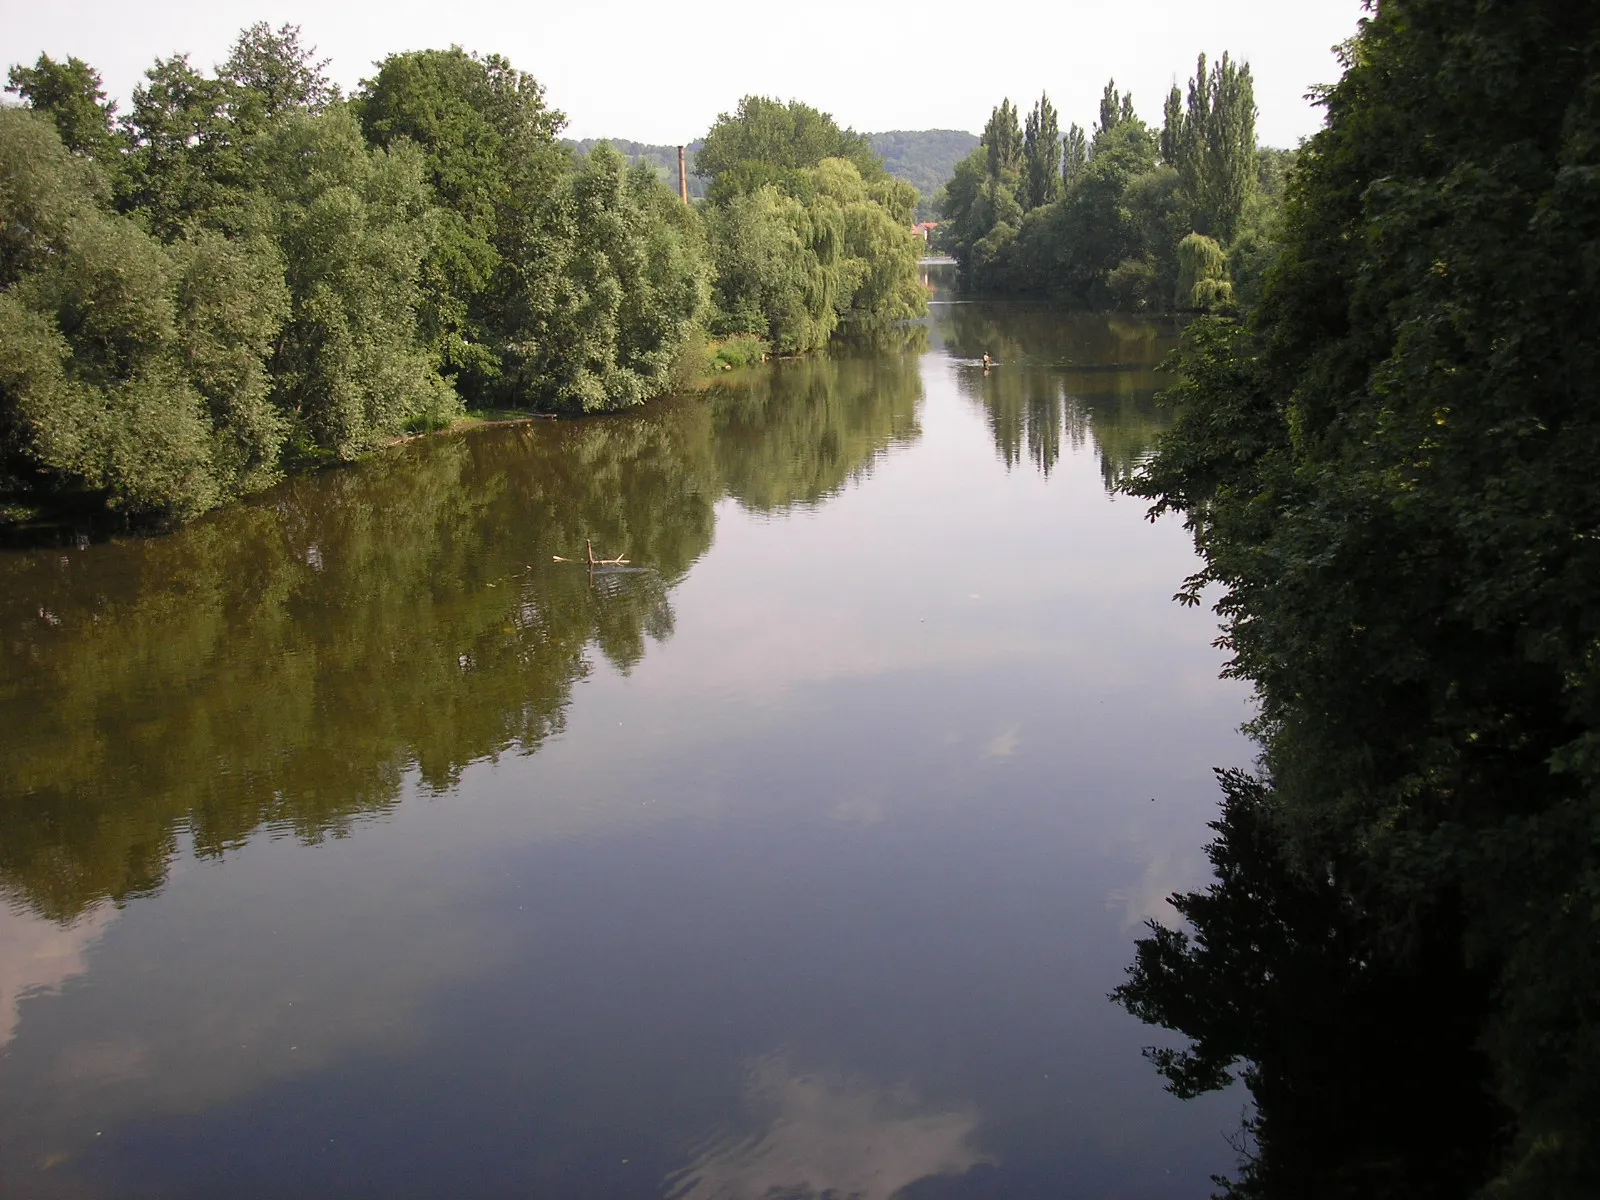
pixel 987 363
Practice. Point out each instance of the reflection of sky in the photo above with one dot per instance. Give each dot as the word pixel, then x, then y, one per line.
pixel 37 956
pixel 894 797
pixel 830 1134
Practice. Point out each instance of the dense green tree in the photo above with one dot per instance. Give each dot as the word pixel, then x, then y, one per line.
pixel 269 73
pixel 489 141
pixel 964 218
pixel 195 138
pixel 71 94
pixel 131 370
pixel 1157 218
pixel 351 368
pixel 1042 153
pixel 624 288
pixel 183 167
pixel 1389 473
pixel 1095 230
pixel 764 140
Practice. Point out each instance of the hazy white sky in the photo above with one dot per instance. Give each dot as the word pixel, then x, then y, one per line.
pixel 661 72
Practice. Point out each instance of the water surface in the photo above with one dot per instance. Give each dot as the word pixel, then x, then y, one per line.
pixel 349 845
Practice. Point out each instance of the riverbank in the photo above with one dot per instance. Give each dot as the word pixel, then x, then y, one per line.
pixel 82 518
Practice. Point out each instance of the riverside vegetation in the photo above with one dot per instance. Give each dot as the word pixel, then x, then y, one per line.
pixel 248 271
pixel 1388 468
pixel 1181 218
pixel 1383 441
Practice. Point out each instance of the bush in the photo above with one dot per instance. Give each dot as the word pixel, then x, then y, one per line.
pixel 742 351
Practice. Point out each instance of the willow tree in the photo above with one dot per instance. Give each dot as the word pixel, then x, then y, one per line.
pixel 791 268
pixel 1202 275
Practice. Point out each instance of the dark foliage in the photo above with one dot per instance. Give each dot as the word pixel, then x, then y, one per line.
pixel 1389 472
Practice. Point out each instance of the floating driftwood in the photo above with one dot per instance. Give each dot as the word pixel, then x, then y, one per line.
pixel 593 562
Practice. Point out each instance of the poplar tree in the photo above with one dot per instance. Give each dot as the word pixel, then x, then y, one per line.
pixel 1171 127
pixel 1042 149
pixel 1003 139
pixel 1074 156
pixel 1215 148
pixel 1232 144
pixel 1110 110
pixel 1116 108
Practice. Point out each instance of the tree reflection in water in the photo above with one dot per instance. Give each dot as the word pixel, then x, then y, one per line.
pixel 1064 379
pixel 287 663
pixel 1358 1050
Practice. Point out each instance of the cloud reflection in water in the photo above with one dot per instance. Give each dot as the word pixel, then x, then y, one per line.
pixel 829 1134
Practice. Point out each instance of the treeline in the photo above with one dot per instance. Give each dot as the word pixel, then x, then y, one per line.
pixel 1127 216
pixel 1389 469
pixel 248 270
pixel 923 158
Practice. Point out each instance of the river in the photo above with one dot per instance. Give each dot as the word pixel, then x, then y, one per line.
pixel 350 845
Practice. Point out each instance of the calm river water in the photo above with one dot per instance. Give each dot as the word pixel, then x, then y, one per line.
pixel 350 846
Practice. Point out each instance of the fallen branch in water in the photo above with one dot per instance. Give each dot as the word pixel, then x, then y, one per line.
pixel 593 561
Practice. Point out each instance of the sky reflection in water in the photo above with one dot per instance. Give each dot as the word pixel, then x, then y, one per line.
pixel 351 846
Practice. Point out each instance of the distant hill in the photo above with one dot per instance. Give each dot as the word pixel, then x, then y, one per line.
pixel 925 158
